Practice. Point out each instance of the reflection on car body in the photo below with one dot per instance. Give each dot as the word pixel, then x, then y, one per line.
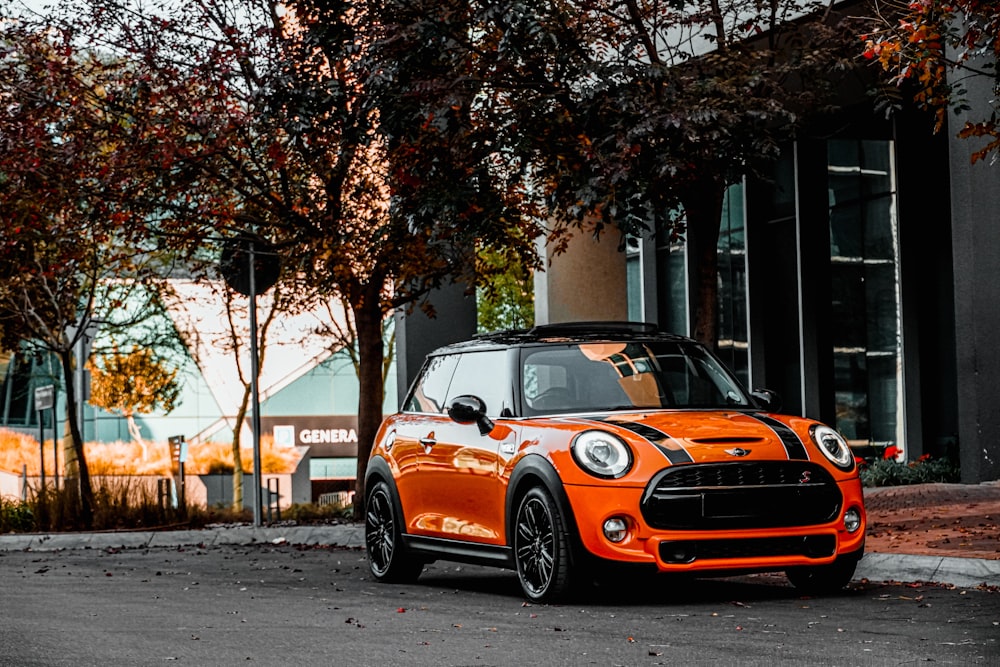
pixel 553 450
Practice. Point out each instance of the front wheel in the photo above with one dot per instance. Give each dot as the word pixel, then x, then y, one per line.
pixel 387 558
pixel 541 548
pixel 824 579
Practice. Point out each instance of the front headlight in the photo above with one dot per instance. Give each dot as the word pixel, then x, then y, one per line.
pixel 833 446
pixel 602 454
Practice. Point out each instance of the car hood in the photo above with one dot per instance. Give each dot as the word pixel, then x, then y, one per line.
pixel 699 436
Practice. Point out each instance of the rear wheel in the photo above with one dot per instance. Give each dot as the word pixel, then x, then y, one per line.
pixel 387 557
pixel 541 548
pixel 824 579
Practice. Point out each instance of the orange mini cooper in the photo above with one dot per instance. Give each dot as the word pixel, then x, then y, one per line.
pixel 553 450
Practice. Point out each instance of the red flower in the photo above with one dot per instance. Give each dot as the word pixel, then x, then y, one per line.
pixel 891 452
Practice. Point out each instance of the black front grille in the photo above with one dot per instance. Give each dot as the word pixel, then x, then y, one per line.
pixel 688 551
pixel 744 494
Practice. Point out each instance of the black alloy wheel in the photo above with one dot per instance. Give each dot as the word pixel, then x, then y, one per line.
pixel 541 548
pixel 387 557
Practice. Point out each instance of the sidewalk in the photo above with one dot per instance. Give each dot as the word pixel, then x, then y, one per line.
pixel 945 533
pixel 942 533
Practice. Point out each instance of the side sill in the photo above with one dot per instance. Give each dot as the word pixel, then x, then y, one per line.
pixel 436 548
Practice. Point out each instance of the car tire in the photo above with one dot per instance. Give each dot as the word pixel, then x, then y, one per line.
pixel 387 557
pixel 541 548
pixel 824 579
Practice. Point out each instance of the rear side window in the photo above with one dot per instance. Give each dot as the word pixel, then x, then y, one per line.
pixel 431 390
pixel 484 374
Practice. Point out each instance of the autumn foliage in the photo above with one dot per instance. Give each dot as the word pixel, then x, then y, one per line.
pixel 132 383
pixel 932 47
pixel 18 451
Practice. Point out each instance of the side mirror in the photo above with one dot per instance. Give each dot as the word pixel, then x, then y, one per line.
pixel 766 400
pixel 468 409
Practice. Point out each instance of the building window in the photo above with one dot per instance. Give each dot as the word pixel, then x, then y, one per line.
pixel 733 333
pixel 864 254
pixel 16 393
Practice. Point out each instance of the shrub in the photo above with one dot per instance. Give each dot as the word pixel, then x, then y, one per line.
pixel 313 513
pixel 16 516
pixel 18 450
pixel 926 470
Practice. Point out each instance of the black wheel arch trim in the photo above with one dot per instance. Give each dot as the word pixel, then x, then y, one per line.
pixel 538 467
pixel 379 467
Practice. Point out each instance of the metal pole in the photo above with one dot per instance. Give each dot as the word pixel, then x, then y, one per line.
pixel 255 397
pixel 41 442
pixel 55 442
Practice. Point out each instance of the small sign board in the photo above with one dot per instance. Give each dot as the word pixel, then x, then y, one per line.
pixel 178 449
pixel 45 397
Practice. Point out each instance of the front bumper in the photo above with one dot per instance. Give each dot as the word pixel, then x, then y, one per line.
pixel 727 546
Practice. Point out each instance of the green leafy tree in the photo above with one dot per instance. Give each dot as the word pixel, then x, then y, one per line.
pixel 931 49
pixel 131 383
pixel 506 300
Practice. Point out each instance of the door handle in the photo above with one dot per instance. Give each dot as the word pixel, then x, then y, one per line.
pixel 429 441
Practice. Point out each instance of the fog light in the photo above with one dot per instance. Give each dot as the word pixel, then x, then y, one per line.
pixel 852 520
pixel 615 529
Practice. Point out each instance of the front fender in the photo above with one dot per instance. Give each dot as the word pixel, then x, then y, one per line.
pixel 535 470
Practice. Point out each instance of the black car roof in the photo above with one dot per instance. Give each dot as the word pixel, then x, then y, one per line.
pixel 565 332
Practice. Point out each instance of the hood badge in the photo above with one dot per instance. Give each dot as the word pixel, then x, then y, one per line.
pixel 737 451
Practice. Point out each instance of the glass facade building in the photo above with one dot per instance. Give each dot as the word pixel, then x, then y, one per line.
pixel 811 292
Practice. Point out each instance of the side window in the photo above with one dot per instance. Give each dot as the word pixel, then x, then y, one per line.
pixel 432 387
pixel 484 374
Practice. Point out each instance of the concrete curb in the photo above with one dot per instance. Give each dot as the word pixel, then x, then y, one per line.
pixel 967 572
pixel 343 535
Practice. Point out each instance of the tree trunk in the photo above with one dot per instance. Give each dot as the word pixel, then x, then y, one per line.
pixel 367 312
pixel 241 415
pixel 133 430
pixel 703 208
pixel 77 478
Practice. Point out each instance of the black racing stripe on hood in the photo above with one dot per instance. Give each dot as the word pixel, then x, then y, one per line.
pixel 793 445
pixel 656 437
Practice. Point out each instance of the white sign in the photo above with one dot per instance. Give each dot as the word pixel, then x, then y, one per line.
pixel 45 397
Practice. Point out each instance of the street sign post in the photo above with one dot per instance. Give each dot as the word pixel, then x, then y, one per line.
pixel 45 399
pixel 178 455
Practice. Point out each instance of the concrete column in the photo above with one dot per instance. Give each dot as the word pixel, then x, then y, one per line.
pixel 417 334
pixel 975 199
pixel 586 282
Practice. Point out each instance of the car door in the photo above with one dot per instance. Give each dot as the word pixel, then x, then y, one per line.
pixel 459 466
pixel 417 425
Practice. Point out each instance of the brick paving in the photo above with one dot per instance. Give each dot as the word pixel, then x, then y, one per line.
pixel 953 520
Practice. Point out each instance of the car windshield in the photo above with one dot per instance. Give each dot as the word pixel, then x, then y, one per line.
pixel 597 377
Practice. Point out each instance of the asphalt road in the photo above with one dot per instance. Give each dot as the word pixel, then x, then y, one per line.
pixel 282 605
